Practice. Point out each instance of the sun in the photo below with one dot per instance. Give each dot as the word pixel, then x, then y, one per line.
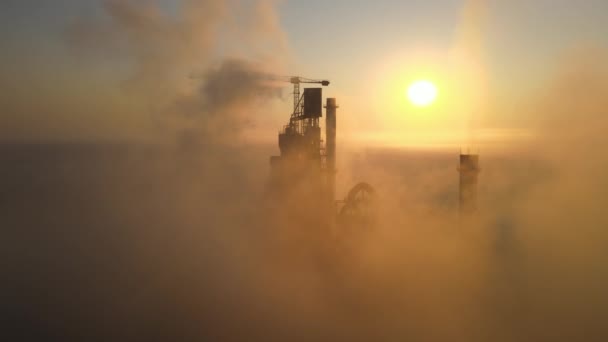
pixel 422 93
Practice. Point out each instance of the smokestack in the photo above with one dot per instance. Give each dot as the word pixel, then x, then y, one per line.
pixel 469 170
pixel 330 135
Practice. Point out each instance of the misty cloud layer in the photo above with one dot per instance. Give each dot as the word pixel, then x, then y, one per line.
pixel 177 241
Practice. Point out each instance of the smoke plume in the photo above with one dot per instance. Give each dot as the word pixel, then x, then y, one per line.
pixel 205 39
pixel 177 242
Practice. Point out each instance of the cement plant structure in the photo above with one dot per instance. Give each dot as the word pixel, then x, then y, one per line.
pixel 304 173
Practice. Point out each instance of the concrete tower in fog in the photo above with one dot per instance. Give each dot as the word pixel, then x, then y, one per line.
pixel 469 171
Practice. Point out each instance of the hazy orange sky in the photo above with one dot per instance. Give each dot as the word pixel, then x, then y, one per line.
pixel 185 227
pixel 487 57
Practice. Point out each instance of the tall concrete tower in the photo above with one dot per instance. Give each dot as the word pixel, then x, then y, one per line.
pixel 330 135
pixel 469 170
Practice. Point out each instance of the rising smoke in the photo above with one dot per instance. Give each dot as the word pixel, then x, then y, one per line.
pixel 132 242
pixel 225 45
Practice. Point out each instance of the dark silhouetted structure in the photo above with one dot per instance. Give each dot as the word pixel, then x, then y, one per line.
pixel 303 176
pixel 330 136
pixel 302 168
pixel 469 171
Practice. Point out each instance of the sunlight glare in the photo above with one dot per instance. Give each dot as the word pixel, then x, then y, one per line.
pixel 422 93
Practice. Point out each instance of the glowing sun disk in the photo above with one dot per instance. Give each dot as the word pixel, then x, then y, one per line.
pixel 422 93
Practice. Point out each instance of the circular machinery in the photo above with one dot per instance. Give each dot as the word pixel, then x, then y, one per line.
pixel 359 207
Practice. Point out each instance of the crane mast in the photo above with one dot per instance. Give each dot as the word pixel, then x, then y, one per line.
pixel 297 99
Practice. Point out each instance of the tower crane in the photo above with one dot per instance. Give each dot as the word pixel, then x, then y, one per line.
pixel 297 114
pixel 296 81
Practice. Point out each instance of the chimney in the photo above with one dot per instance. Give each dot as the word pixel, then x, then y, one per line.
pixel 330 135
